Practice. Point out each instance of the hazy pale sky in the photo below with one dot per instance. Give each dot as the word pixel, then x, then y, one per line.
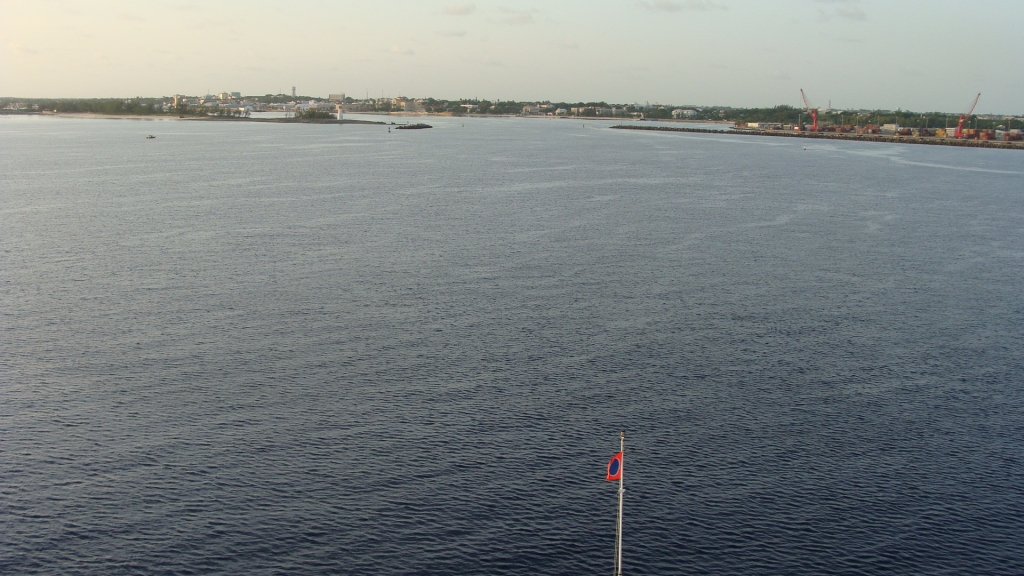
pixel 910 54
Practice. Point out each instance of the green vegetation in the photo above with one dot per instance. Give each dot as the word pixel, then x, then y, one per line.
pixel 113 106
pixel 314 114
pixel 226 113
pixel 901 117
pixel 791 115
pixel 140 106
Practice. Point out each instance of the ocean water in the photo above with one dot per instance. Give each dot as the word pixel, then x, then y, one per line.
pixel 246 348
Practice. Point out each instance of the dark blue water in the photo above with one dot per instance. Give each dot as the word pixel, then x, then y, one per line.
pixel 282 349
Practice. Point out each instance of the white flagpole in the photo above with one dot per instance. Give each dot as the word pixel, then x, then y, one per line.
pixel 618 535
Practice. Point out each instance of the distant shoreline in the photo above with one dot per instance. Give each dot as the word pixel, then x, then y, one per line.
pixel 281 120
pixel 344 121
pixel 537 116
pixel 95 115
pixel 151 117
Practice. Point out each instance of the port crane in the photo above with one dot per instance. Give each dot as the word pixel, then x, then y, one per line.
pixel 812 111
pixel 960 125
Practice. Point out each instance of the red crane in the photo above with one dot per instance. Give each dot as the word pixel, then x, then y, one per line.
pixel 960 125
pixel 812 111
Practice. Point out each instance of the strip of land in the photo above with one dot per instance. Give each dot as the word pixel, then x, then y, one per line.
pixel 280 120
pixel 840 136
pixel 151 117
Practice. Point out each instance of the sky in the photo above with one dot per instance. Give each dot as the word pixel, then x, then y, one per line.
pixel 910 54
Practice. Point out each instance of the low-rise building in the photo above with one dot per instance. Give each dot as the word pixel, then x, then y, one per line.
pixel 765 125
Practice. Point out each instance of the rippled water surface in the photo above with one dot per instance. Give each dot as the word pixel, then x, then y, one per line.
pixel 247 348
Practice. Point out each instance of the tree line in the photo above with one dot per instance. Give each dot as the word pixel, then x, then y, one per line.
pixel 780 114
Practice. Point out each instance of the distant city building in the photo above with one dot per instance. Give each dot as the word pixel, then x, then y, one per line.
pixel 364 106
pixel 680 113
pixel 405 104
pixel 315 105
pixel 236 94
pixel 293 91
pixel 336 97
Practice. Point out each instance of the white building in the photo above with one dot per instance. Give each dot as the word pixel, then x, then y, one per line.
pixel 765 125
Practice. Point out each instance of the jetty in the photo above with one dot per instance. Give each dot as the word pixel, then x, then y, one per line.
pixel 838 136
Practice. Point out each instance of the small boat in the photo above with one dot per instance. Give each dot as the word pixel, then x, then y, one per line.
pixel 150 137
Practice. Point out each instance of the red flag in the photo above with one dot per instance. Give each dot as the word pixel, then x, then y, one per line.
pixel 614 468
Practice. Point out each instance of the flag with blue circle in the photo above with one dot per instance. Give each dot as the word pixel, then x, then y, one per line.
pixel 614 468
